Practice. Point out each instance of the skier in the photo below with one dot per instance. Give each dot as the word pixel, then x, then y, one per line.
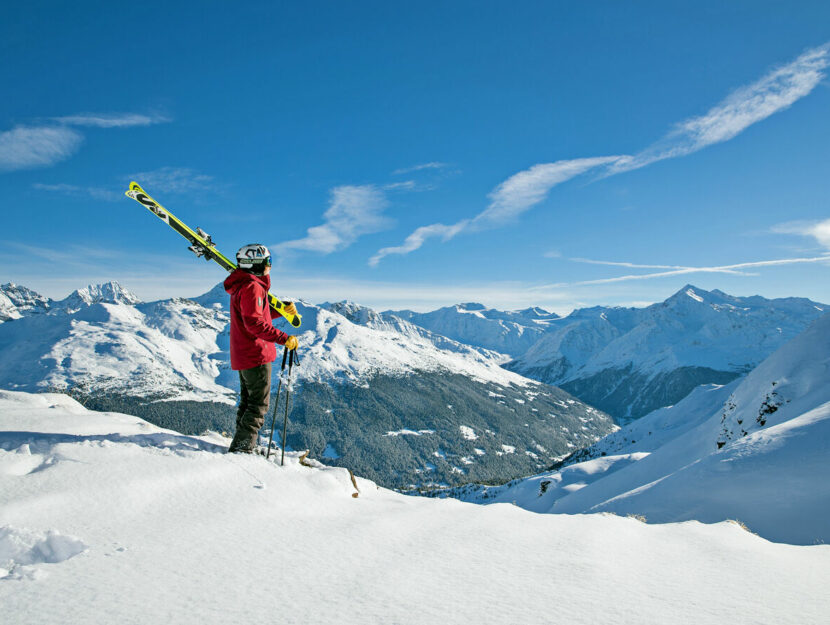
pixel 252 341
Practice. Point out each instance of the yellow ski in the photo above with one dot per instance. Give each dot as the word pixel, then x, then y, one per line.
pixel 201 244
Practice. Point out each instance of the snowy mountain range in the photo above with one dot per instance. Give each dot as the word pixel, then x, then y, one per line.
pixel 510 332
pixel 376 393
pixel 630 361
pixel 753 450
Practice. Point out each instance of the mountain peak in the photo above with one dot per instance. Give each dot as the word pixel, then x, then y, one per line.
pixel 689 291
pixel 216 296
pixel 536 311
pixel 25 300
pixel 472 306
pixel 107 293
pixel 360 315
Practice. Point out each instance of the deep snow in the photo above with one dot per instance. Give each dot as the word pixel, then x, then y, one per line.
pixel 755 450
pixel 108 519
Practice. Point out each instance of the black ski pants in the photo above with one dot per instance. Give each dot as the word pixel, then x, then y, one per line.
pixel 254 396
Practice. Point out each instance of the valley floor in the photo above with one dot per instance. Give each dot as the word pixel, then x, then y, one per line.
pixel 107 519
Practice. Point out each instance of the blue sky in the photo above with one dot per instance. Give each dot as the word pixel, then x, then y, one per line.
pixel 412 156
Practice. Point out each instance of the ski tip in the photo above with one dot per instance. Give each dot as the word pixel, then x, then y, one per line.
pixel 296 321
pixel 134 186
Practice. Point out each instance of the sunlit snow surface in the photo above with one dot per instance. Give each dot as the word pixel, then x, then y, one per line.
pixel 757 450
pixel 107 519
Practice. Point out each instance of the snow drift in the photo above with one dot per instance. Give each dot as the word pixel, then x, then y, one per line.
pixel 149 526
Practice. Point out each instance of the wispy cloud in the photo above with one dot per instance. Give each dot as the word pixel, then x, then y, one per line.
pixel 510 199
pixel 421 167
pixel 353 211
pixel 47 142
pixel 417 239
pixel 775 92
pixel 527 188
pixel 111 120
pixel 28 147
pixel 69 256
pixel 819 230
pixel 96 193
pixel 173 180
pixel 609 263
pixel 676 270
pixel 406 185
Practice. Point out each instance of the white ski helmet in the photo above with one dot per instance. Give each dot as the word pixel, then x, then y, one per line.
pixel 253 257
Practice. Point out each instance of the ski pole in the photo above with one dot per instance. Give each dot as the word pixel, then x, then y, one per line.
pixel 287 399
pixel 276 403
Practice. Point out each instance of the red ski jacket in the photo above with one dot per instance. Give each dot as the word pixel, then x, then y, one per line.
pixel 252 335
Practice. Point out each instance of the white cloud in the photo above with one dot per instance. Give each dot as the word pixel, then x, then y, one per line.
pixel 96 193
pixel 406 185
pixel 775 92
pixel 421 167
pixel 353 211
pixel 514 196
pixel 819 230
pixel 111 120
pixel 527 188
pixel 418 237
pixel 27 147
pixel 173 180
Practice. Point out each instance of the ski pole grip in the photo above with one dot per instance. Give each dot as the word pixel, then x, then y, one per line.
pixel 284 356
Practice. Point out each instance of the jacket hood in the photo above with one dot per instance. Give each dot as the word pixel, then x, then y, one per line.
pixel 241 277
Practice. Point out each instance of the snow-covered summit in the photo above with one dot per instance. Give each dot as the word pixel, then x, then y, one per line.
pixel 107 293
pixel 17 301
pixel 215 297
pixel 357 314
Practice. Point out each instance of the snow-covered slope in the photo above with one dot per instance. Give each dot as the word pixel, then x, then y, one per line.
pixel 7 308
pixel 17 301
pixel 510 332
pixel 629 361
pixel 108 519
pixel 351 341
pixel 755 450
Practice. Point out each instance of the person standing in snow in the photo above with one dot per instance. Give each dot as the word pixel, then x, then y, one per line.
pixel 252 341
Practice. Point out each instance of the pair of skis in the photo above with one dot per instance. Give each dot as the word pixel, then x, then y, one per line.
pixel 201 244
